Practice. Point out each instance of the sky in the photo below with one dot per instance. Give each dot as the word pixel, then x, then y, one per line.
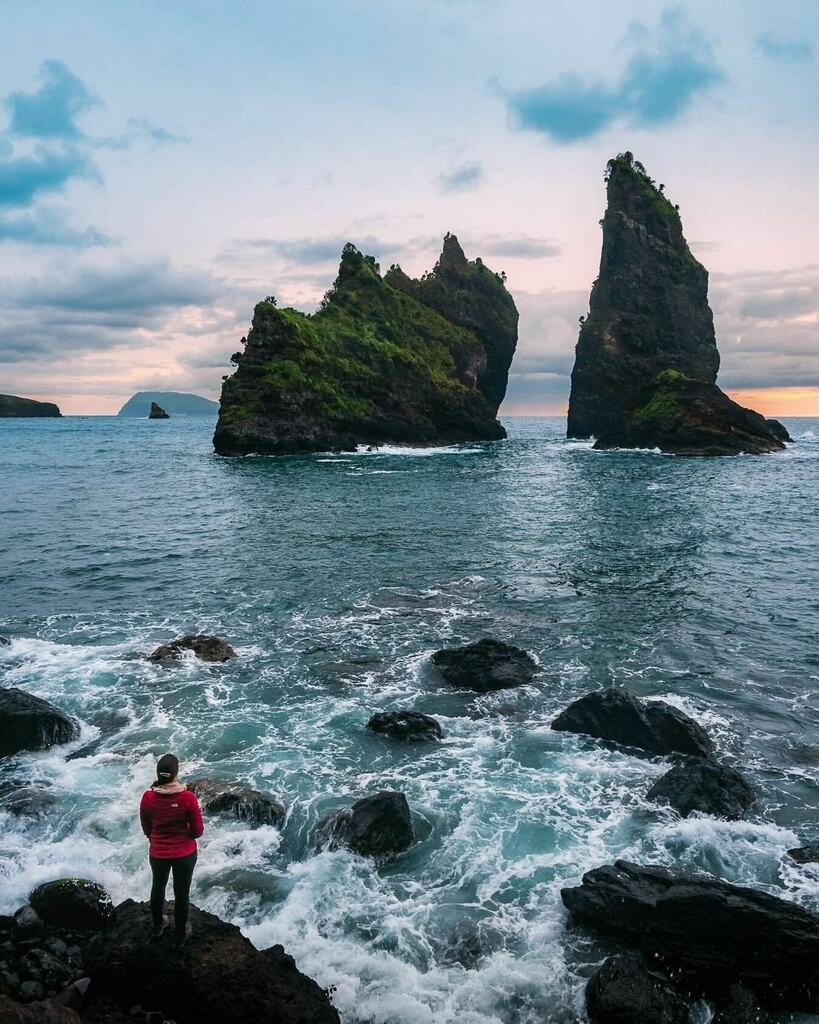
pixel 164 166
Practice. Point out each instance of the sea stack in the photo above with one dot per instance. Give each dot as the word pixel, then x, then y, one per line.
pixel 157 413
pixel 384 359
pixel 11 405
pixel 646 361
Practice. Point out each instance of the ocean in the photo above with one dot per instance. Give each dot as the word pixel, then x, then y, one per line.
pixel 335 577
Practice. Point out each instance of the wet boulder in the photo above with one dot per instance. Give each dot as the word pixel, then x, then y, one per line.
pixel 375 825
pixel 624 991
pixel 219 976
pixel 406 725
pixel 29 723
pixel 485 666
pixel 804 854
pixel 74 903
pixel 27 801
pixel 619 717
pixel 706 786
pixel 27 924
pixel 4 641
pixel 236 800
pixel 740 1006
pixel 710 934
pixel 206 648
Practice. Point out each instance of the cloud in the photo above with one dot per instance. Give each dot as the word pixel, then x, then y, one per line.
pixel 62 153
pixel 669 68
pixel 768 327
pixel 140 128
pixel 52 111
pixel 92 308
pixel 462 178
pixel 519 248
pixel 23 179
pixel 785 51
pixel 48 226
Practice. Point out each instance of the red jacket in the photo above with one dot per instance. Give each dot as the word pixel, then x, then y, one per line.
pixel 172 822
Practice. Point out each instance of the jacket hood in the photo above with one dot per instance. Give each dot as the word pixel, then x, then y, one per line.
pixel 169 788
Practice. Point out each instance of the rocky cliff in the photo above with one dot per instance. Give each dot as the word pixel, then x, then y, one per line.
pixel 384 359
pixel 11 405
pixel 649 314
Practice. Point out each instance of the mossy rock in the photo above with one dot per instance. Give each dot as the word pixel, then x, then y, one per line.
pixel 384 359
pixel 73 903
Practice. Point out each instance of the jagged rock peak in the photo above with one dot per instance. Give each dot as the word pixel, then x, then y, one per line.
pixel 646 360
pixel 383 359
pixel 648 310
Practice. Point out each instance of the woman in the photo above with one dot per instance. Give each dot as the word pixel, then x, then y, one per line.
pixel 172 821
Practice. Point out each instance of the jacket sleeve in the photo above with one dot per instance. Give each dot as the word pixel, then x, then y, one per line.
pixel 145 817
pixel 194 816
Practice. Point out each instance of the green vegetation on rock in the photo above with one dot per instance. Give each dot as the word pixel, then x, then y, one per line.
pixel 374 363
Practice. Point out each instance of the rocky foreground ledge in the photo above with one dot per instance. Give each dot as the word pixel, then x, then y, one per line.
pixel 76 959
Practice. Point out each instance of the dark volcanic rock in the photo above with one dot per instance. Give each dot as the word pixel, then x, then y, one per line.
pixel 219 976
pixel 238 801
pixel 624 991
pixel 714 933
pixel 384 359
pixel 485 666
pixel 779 430
pixel 374 825
pixel 648 315
pixel 36 1013
pixel 27 924
pixel 617 716
pixel 472 296
pixel 29 723
pixel 405 725
pixel 4 641
pixel 682 416
pixel 157 412
pixel 740 1006
pixel 704 785
pixel 11 405
pixel 206 648
pixel 72 903
pixel 804 854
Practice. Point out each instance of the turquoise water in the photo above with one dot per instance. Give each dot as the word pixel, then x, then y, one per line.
pixel 335 577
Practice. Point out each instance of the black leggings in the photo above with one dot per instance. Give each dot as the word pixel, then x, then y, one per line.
pixel 182 868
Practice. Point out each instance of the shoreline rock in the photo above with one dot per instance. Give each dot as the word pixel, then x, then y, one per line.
pixel 157 413
pixel 411 726
pixel 73 903
pixel 617 716
pixel 709 933
pixel 485 666
pixel 237 800
pixel 373 826
pixel 624 991
pixel 30 723
pixel 804 854
pixel 219 976
pixel 706 786
pixel 205 647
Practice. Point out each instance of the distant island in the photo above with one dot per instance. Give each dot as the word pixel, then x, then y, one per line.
pixel 384 359
pixel 173 402
pixel 646 361
pixel 11 405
